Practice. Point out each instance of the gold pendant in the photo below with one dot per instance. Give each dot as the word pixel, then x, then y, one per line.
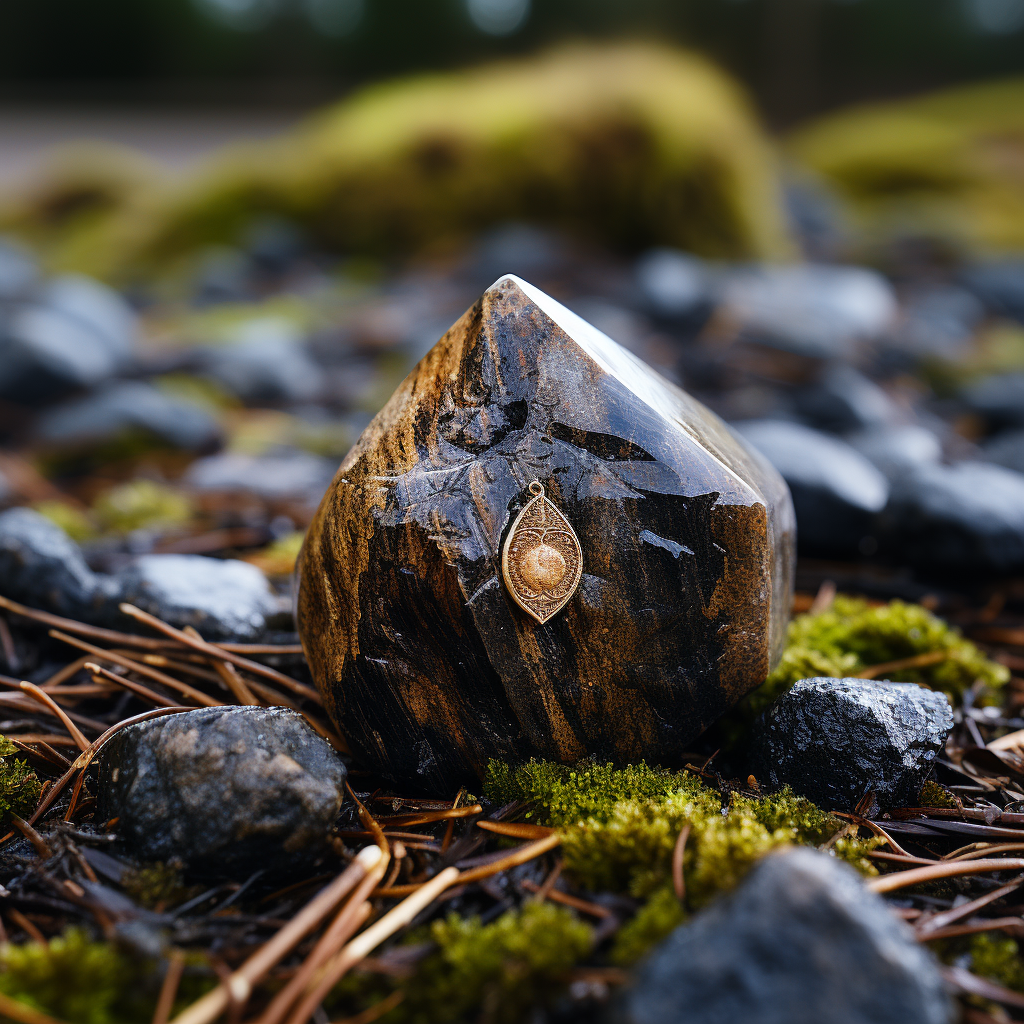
pixel 542 560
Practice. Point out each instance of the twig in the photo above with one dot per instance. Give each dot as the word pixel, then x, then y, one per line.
pixel 428 817
pixel 96 632
pixel 876 828
pixel 23 1014
pixel 98 671
pixel 239 985
pixel 219 652
pixel 970 984
pixel 948 917
pixel 169 988
pixel 41 845
pixel 678 882
pixel 365 943
pixel 227 672
pixel 517 830
pixel 824 598
pixel 943 869
pixel 549 883
pixel 917 661
pixel 45 699
pixel 375 1012
pixel 143 670
pixel 557 896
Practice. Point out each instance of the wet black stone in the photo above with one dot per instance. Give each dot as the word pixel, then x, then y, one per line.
pixel 894 449
pixel 222 788
pixel 969 517
pixel 285 475
pixel 844 399
pixel 1000 285
pixel 123 407
pixel 267 363
pixel 800 942
pixel 1007 450
pixel 834 740
pixel 42 567
pixel 224 599
pixel 676 287
pixel 836 492
pixel 73 333
pixel 938 320
pixel 999 399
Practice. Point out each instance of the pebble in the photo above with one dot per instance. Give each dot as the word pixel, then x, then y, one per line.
pixel 266 363
pixel 938 321
pixel 835 740
pixel 836 492
pixel 968 517
pixel 42 567
pixel 292 475
pixel 18 271
pixel 817 310
pixel 1006 449
pixel 675 285
pixel 1000 285
pixel 222 789
pixel 224 599
pixel 894 449
pixel 844 399
pixel 999 399
pixel 125 406
pixel 74 333
pixel 801 941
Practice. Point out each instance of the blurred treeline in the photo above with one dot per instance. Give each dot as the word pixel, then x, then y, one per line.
pixel 798 57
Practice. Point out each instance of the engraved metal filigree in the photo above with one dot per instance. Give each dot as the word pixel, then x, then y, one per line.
pixel 542 561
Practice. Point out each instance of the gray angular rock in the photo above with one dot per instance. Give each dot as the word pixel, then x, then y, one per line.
pixel 969 516
pixel 836 492
pixel 834 740
pixel 295 474
pixel 894 449
pixel 126 406
pixel 222 788
pixel 801 941
pixel 224 599
pixel 674 285
pixel 42 567
pixel 75 333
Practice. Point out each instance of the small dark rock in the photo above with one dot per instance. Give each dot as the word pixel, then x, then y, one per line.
pixel 844 399
pixel 675 286
pixel 42 567
pixel 894 449
pixel 1000 285
pixel 222 788
pixel 127 406
pixel 267 363
pixel 223 599
pixel 295 474
pixel 999 399
pixel 969 516
pixel 938 321
pixel 836 492
pixel 816 310
pixel 1007 450
pixel 18 271
pixel 800 942
pixel 74 333
pixel 834 740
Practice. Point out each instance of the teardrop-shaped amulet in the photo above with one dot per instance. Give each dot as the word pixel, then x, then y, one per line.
pixel 540 547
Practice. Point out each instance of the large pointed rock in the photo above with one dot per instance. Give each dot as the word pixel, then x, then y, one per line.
pixel 426 661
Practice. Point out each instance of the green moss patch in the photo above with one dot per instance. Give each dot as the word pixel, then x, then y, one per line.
pixel 19 787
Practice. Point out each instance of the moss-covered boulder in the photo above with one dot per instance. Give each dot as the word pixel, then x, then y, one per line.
pixel 945 164
pixel 631 145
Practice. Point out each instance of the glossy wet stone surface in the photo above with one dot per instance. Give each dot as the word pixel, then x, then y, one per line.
pixel 800 942
pixel 222 788
pixel 426 662
pixel 836 740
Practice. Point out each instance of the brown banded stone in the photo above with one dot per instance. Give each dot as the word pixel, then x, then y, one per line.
pixel 427 664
